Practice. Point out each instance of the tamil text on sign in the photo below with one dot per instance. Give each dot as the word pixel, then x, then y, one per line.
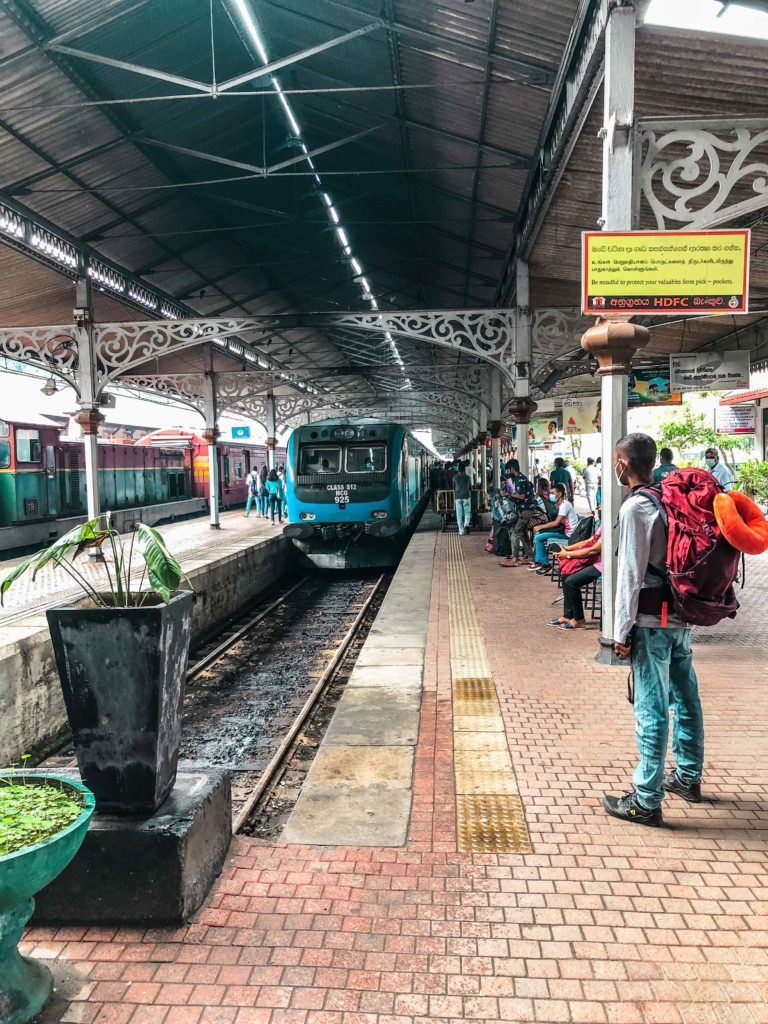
pixel 665 272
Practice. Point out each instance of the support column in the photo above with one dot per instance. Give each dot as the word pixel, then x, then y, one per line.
pixel 211 435
pixel 482 436
pixel 271 431
pixel 521 408
pixel 523 355
pixel 613 340
pixel 88 416
pixel 495 427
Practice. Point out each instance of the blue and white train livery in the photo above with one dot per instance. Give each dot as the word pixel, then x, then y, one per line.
pixel 355 488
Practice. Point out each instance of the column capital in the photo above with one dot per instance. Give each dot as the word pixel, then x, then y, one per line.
pixel 479 441
pixel 613 342
pixel 496 429
pixel 89 420
pixel 271 443
pixel 521 408
pixel 211 435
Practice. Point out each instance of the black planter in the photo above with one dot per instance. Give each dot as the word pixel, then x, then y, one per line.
pixel 122 672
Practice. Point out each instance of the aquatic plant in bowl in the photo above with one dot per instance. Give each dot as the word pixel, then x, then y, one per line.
pixel 43 821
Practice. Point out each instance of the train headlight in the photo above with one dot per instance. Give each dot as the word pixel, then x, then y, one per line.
pixel 379 514
pixel 307 516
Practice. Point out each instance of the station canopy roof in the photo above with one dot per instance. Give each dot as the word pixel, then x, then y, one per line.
pixel 355 155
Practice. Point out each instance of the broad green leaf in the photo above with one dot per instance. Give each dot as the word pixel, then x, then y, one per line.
pixel 15 573
pixel 163 571
pixel 88 534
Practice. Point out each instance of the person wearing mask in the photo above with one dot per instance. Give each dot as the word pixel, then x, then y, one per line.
pixel 720 472
pixel 658 645
pixel 665 467
pixel 252 484
pixel 560 475
pixel 589 553
pixel 462 487
pixel 564 523
pixel 275 496
pixel 589 476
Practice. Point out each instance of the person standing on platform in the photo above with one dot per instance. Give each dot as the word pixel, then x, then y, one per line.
pixel 560 475
pixel 252 484
pixel 276 495
pixel 665 467
pixel 721 473
pixel 589 476
pixel 263 499
pixel 658 646
pixel 462 487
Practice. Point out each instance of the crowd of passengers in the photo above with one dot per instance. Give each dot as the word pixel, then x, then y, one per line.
pixel 539 524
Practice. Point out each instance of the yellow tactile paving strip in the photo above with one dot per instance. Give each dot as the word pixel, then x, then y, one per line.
pixel 489 812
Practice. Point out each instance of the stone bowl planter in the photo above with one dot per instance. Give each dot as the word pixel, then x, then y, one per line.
pixel 123 672
pixel 26 984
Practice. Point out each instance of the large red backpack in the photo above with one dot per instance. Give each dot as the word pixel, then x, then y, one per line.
pixel 701 564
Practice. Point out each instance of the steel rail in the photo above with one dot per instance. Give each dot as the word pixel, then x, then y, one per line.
pixel 269 772
pixel 214 655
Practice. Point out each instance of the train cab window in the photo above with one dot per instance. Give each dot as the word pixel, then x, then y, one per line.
pixel 5 454
pixel 28 446
pixel 317 459
pixel 369 458
pixel 238 469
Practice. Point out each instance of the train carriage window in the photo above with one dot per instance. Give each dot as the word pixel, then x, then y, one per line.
pixel 238 469
pixel 28 445
pixel 370 458
pixel 319 459
pixel 5 454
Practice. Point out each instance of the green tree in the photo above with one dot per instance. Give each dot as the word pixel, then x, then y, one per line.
pixel 688 429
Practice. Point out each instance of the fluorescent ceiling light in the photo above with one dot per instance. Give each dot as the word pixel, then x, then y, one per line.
pixel 355 266
pixel 253 32
pixel 708 16
pixel 333 214
pixel 327 199
pixel 342 235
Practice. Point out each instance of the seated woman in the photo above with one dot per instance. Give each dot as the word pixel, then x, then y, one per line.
pixel 564 523
pixel 589 552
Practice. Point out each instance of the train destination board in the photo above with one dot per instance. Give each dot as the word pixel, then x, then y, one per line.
pixel 665 273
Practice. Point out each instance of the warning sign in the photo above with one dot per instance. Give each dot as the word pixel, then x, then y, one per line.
pixel 665 272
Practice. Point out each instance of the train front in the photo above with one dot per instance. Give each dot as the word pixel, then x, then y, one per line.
pixel 345 495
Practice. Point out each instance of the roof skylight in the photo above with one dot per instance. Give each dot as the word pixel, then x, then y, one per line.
pixel 709 16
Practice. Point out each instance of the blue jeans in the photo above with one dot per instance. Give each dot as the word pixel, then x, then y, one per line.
pixel 262 505
pixel 463 506
pixel 662 663
pixel 249 501
pixel 540 542
pixel 275 505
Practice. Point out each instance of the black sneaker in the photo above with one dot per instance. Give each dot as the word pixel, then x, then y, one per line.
pixel 690 791
pixel 543 570
pixel 628 808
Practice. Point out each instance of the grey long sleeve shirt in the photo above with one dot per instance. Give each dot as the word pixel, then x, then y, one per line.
pixel 642 542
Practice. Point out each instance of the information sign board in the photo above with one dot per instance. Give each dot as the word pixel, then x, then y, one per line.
pixel 581 415
pixel 735 419
pixel 662 273
pixel 651 387
pixel 709 371
pixel 241 433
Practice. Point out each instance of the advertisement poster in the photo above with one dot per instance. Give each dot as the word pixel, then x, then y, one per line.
pixel 581 416
pixel 651 388
pixel 709 371
pixel 547 430
pixel 735 419
pixel 665 272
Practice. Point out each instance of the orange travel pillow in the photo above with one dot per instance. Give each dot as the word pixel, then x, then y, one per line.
pixel 742 523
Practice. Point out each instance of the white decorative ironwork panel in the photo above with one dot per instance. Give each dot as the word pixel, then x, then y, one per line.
pixel 184 387
pixel 701 172
pixel 54 348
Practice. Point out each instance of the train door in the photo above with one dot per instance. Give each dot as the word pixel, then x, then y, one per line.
pixel 51 484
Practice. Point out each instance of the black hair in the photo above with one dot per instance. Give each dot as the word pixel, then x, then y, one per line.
pixel 561 488
pixel 665 454
pixel 560 462
pixel 542 483
pixel 272 475
pixel 639 451
pixel 590 462
pixel 513 464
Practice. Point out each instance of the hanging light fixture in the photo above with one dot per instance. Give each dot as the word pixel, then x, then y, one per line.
pixel 49 388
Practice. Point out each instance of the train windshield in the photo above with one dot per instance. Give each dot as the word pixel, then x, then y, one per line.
pixel 370 458
pixel 320 459
pixel 5 454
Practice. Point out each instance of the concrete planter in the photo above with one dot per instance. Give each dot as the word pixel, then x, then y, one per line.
pixel 26 984
pixel 122 673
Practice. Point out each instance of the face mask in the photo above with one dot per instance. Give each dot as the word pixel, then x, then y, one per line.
pixel 711 463
pixel 619 474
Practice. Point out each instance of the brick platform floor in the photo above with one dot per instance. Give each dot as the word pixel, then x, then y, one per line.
pixel 602 922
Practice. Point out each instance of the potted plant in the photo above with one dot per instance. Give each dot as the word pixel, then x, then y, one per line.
pixel 43 821
pixel 122 657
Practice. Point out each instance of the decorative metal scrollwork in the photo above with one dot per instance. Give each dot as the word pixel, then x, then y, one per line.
pixel 182 387
pixel 54 348
pixel 699 173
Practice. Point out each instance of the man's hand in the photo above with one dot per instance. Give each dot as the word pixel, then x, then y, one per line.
pixel 621 650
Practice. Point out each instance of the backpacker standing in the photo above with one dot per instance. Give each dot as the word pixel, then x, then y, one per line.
pixel 658 646
pixel 252 484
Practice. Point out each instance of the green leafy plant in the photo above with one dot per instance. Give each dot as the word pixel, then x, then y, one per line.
pixel 688 429
pixel 753 479
pixel 161 570
pixel 32 810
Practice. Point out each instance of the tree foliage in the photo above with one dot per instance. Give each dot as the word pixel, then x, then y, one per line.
pixel 688 429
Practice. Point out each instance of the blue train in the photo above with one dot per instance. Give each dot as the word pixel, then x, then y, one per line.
pixel 355 488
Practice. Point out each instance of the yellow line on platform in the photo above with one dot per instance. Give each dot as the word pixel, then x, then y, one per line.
pixel 490 817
